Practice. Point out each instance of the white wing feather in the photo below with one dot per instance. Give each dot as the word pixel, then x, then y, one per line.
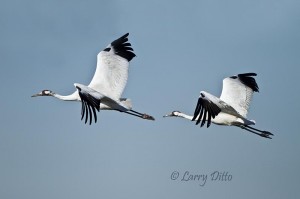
pixel 111 75
pixel 238 93
pixel 224 106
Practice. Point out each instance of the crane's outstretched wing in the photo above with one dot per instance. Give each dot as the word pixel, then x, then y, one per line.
pixel 207 108
pixel 111 73
pixel 90 100
pixel 238 90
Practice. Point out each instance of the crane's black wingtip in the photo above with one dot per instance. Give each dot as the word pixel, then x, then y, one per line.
pixel 122 47
pixel 248 80
pixel 126 35
pixel 89 106
pixel 205 111
pixel 247 74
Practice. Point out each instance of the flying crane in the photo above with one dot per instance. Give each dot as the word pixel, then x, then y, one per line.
pixel 106 87
pixel 230 109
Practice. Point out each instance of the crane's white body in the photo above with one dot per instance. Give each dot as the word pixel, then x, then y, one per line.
pixel 231 108
pixel 107 103
pixel 235 96
pixel 222 119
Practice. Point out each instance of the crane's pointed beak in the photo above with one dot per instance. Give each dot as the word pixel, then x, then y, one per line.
pixel 36 95
pixel 168 115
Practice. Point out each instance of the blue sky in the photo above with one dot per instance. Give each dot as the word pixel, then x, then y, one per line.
pixel 182 48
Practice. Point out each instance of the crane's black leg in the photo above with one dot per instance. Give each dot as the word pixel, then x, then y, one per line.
pixel 137 114
pixel 132 114
pixel 261 133
pixel 264 132
pixel 142 115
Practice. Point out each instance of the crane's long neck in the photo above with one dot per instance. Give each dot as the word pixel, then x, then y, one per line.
pixel 183 115
pixel 189 117
pixel 73 97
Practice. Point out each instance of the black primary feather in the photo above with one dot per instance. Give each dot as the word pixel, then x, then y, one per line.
pixel 82 109
pixel 208 119
pixel 197 110
pixel 89 104
pixel 204 117
pixel 248 80
pixel 200 115
pixel 122 47
pixel 205 109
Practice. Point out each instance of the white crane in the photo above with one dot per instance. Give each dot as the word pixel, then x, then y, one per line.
pixel 107 85
pixel 231 108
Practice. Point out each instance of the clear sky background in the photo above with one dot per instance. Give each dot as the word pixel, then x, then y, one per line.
pixel 182 48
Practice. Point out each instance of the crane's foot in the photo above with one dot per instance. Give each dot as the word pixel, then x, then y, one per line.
pixel 148 117
pixel 265 135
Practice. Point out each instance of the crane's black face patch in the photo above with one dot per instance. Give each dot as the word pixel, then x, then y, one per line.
pixel 233 77
pixel 107 49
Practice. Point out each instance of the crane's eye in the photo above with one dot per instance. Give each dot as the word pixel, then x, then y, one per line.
pixel 107 49
pixel 46 92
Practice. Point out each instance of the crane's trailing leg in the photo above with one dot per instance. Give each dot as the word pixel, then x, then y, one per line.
pixel 140 115
pixel 148 117
pixel 143 115
pixel 265 134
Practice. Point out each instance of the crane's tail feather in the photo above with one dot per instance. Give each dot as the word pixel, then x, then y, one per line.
pixel 254 122
pixel 127 102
